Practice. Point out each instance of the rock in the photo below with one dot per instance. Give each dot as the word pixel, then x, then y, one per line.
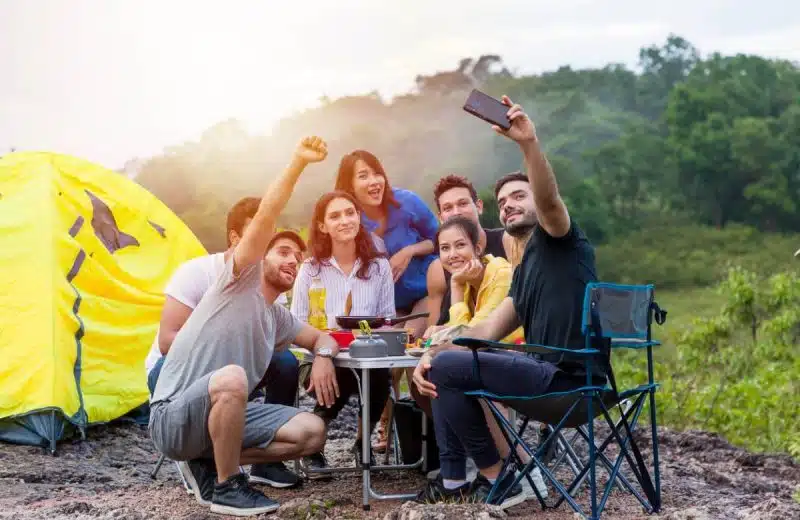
pixel 771 509
pixel 304 509
pixel 688 514
pixel 414 511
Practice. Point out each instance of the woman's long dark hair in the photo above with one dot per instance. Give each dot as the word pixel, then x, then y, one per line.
pixel 320 245
pixel 347 167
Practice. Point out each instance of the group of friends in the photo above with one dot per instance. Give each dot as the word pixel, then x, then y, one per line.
pixel 223 381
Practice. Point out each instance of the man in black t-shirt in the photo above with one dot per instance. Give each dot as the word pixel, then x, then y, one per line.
pixel 546 298
pixel 456 196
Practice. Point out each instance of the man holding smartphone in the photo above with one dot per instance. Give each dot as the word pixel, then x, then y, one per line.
pixel 546 298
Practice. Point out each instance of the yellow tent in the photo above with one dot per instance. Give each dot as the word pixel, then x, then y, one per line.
pixel 85 254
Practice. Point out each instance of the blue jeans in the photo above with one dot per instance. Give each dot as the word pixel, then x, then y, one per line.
pixel 459 424
pixel 279 383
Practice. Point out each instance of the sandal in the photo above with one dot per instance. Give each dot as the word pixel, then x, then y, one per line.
pixel 380 445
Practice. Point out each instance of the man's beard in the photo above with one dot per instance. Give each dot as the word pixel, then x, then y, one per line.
pixel 521 227
pixel 273 279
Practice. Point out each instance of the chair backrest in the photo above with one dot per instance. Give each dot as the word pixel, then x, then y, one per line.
pixel 618 312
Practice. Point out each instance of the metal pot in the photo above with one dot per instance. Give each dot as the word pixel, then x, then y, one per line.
pixel 395 339
pixel 368 347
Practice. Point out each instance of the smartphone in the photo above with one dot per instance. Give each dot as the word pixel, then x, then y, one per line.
pixel 489 109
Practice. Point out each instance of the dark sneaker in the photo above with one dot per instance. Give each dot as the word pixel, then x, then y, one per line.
pixel 236 497
pixel 315 462
pixel 356 451
pixel 434 492
pixel 274 474
pixel 550 454
pixel 481 488
pixel 201 477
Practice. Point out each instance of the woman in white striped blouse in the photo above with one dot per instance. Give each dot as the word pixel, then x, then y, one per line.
pixel 344 258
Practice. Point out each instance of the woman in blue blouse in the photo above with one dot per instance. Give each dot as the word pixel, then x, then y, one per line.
pixel 408 228
pixel 404 222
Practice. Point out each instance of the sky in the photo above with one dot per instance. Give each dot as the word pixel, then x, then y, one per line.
pixel 110 80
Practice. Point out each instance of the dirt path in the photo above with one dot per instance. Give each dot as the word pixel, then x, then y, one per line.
pixel 107 476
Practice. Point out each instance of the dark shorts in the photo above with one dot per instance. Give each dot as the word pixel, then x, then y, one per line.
pixel 179 428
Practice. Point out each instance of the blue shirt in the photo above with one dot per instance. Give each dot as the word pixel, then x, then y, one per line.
pixel 409 224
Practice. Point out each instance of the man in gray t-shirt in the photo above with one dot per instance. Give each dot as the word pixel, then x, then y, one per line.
pixel 199 409
pixel 206 338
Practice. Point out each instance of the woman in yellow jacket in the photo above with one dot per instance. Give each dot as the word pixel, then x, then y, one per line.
pixel 478 283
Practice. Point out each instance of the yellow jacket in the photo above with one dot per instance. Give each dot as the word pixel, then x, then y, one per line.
pixel 493 289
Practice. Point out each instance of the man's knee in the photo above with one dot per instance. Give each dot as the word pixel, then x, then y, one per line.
pixel 228 383
pixel 447 367
pixel 314 433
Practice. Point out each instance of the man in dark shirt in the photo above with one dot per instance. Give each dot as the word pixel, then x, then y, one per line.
pixel 456 196
pixel 546 298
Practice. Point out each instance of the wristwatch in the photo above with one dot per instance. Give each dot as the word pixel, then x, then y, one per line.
pixel 325 352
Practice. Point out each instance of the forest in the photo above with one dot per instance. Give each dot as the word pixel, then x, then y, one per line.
pixel 684 171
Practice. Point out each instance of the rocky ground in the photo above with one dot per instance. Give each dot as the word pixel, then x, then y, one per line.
pixel 106 476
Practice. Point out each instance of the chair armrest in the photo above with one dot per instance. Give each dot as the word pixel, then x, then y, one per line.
pixel 528 348
pixel 634 344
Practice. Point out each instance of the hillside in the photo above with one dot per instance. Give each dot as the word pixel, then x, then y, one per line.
pixel 709 139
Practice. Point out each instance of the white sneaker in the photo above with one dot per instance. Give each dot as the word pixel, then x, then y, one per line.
pixel 538 481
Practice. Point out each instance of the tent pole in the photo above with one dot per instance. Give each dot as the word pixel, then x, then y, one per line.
pixel 53 437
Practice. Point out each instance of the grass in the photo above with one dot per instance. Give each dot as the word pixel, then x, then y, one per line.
pixel 683 306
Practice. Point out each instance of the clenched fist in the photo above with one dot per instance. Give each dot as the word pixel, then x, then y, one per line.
pixel 311 150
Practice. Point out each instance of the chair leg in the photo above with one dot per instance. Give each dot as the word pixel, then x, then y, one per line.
pixel 592 455
pixel 154 473
pixel 654 432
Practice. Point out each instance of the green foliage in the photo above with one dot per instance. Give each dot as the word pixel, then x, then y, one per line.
pixel 735 372
pixel 682 255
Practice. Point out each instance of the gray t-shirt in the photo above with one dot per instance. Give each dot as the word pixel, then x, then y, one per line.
pixel 232 325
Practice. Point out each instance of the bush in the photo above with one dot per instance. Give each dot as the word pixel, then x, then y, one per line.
pixel 736 373
pixel 690 256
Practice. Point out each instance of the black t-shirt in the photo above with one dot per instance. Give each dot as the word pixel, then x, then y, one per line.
pixel 549 284
pixel 494 247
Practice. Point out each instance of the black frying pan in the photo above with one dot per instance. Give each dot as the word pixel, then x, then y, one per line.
pixel 375 322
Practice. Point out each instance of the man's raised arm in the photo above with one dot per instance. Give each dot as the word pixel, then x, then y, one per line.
pixel 550 208
pixel 253 246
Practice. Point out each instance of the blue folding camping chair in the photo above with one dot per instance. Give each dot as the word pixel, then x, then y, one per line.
pixel 614 316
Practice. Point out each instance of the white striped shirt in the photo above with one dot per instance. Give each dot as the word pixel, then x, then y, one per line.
pixel 371 297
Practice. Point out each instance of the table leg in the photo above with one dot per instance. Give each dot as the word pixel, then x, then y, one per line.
pixel 424 443
pixel 365 435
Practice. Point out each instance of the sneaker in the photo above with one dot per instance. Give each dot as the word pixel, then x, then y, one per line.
pixel 356 451
pixel 236 497
pixel 538 481
pixel 316 462
pixel 434 492
pixel 548 456
pixel 481 488
pixel 201 477
pixel 274 474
